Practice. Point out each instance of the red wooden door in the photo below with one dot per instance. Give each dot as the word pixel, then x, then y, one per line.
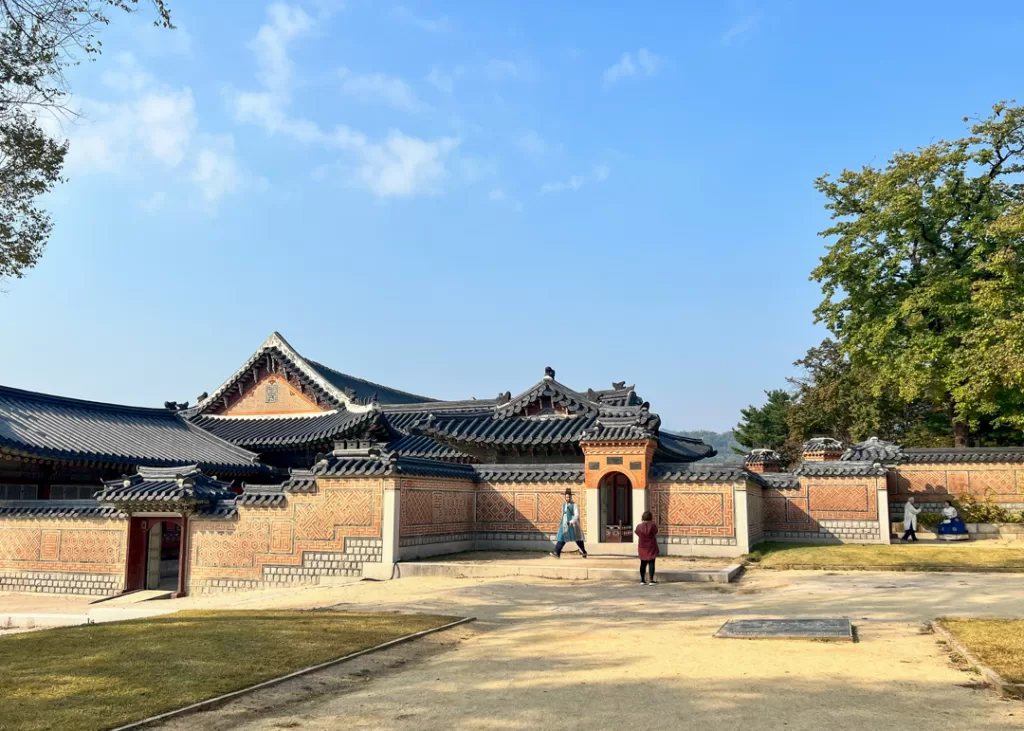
pixel 135 572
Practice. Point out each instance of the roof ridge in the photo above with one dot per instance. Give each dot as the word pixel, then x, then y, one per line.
pixel 102 405
pixel 368 383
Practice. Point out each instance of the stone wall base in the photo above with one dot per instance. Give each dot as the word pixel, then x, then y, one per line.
pixel 54 582
pixel 832 531
pixel 316 566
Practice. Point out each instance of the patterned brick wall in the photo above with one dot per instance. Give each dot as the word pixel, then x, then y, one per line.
pixel 435 510
pixel 755 515
pixel 999 483
pixel 698 514
pixel 245 549
pixel 73 556
pixel 826 509
pixel 530 509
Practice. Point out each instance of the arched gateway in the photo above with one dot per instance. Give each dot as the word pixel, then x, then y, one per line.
pixel 615 492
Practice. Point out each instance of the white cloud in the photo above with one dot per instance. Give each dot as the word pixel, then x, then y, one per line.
pixel 497 195
pixel 166 123
pixel 399 166
pixel 154 203
pixel 379 87
pixel 534 145
pixel 742 30
pixel 442 81
pixel 147 124
pixel 497 69
pixel 643 63
pixel 430 25
pixel 216 171
pixel 271 45
pixel 403 166
pixel 599 174
pixel 154 123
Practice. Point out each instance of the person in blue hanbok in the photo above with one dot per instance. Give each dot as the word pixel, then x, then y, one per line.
pixel 952 528
pixel 569 528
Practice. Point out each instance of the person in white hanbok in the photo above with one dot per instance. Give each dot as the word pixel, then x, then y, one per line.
pixel 910 513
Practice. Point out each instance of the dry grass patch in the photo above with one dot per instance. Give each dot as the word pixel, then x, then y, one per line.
pixel 997 643
pixel 104 675
pixel 902 556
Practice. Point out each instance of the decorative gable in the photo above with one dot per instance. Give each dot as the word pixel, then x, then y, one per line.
pixel 272 395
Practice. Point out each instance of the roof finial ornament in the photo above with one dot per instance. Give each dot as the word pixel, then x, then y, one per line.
pixel 202 397
pixel 618 385
pixel 549 372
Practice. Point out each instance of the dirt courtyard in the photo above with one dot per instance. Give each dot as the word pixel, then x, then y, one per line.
pixel 604 655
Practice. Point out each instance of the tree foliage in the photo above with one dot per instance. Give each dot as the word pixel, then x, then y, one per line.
pixel 834 397
pixel 924 279
pixel 766 426
pixel 39 41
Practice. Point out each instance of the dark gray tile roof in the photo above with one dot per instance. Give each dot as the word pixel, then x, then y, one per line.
pixel 333 387
pixel 530 472
pixel 873 450
pixel 763 456
pixel 367 390
pixel 486 430
pixel 971 455
pixel 261 499
pixel 674 447
pixel 779 480
pixel 300 481
pixel 547 389
pixel 271 433
pixel 822 444
pixel 840 469
pixel 174 488
pixel 64 429
pixel 377 460
pixel 58 509
pixel 426 448
pixel 689 472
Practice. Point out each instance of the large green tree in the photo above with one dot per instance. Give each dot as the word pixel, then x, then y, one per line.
pixel 766 426
pixel 837 398
pixel 39 41
pixel 923 280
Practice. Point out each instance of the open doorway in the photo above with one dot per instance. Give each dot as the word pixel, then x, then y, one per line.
pixel 616 495
pixel 154 554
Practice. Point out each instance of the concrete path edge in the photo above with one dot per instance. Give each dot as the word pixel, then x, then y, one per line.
pixel 1013 690
pixel 456 570
pixel 213 702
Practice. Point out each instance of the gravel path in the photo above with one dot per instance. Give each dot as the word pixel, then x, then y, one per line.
pixel 567 655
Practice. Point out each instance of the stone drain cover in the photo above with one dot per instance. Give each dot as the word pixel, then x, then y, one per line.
pixel 787 629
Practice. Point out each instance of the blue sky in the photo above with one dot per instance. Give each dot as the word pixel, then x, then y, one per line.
pixel 447 197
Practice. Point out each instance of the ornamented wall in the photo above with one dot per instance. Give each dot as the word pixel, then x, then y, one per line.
pixel 435 515
pixel 839 509
pixel 755 514
pixel 65 556
pixel 331 533
pixel 509 512
pixel 931 484
pixel 694 514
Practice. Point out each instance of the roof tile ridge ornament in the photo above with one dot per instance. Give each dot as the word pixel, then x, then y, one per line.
pixel 549 373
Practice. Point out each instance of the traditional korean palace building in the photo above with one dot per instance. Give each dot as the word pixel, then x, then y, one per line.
pixel 291 472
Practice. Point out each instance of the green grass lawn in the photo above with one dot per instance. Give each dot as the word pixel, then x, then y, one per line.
pixel 902 556
pixel 105 675
pixel 997 643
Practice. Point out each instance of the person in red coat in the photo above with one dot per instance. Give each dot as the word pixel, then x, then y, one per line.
pixel 647 547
